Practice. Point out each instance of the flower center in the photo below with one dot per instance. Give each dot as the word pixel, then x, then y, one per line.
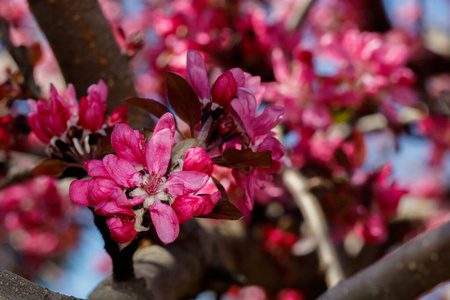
pixel 151 183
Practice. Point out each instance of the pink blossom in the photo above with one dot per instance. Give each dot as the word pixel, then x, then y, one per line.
pixel 38 221
pixel 373 229
pixel 119 190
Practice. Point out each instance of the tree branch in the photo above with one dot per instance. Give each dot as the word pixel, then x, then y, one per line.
pixel 86 50
pixel 173 271
pixel 315 219
pixel 20 56
pixel 404 274
pixel 13 286
pixel 298 15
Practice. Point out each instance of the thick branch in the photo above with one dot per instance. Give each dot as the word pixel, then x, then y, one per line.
pixel 405 274
pixel 173 271
pixel 85 48
pixel 13 286
pixel 315 219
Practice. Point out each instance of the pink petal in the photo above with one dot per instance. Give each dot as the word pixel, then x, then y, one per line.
pixel 185 182
pixel 165 122
pixel 78 192
pixel 273 145
pixel 59 112
pixel 72 101
pixel 119 115
pixel 244 107
pixel 158 152
pixel 128 144
pixel 35 125
pixel 224 89
pixel 239 76
pixel 98 93
pixel 194 205
pixel 165 221
pixel 92 114
pixel 196 159
pixel 247 184
pixel 196 75
pixel 100 189
pixel 110 208
pixel 269 118
pixel 122 171
pixel 122 200
pixel 122 229
pixel 95 168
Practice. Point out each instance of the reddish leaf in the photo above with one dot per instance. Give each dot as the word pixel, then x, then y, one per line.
pixel 360 148
pixel 152 106
pixel 34 53
pixel 343 160
pixel 234 158
pixel 183 100
pixel 224 210
pixel 52 167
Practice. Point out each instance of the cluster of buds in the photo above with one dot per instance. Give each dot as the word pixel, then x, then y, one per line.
pixel 231 127
pixel 73 130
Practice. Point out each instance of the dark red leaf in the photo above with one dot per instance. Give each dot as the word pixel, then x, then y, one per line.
pixel 183 100
pixel 52 167
pixel 343 160
pixel 360 148
pixel 152 106
pixel 234 158
pixel 224 210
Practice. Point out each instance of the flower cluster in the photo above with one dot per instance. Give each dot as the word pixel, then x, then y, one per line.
pixel 37 220
pixel 141 179
pixel 233 101
pixel 73 129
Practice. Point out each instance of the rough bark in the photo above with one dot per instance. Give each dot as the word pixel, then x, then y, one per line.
pixel 404 274
pixel 15 287
pixel 177 270
pixel 86 50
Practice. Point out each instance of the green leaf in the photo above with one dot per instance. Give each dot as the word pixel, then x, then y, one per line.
pixel 183 100
pixel 179 150
pixel 53 167
pixel 234 158
pixel 152 106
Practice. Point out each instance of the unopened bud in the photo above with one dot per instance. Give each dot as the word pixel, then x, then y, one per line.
pixel 197 159
pixel 224 89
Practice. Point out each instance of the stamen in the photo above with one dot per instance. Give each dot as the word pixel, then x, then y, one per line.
pixel 77 145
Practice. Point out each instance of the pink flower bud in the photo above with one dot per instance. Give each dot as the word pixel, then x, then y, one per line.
pixel 122 228
pixel 93 107
pixel 197 159
pixel 119 115
pixel 224 89
pixel 91 115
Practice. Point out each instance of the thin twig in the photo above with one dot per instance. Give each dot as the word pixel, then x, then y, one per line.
pixel 315 219
pixel 298 15
pixel 20 56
